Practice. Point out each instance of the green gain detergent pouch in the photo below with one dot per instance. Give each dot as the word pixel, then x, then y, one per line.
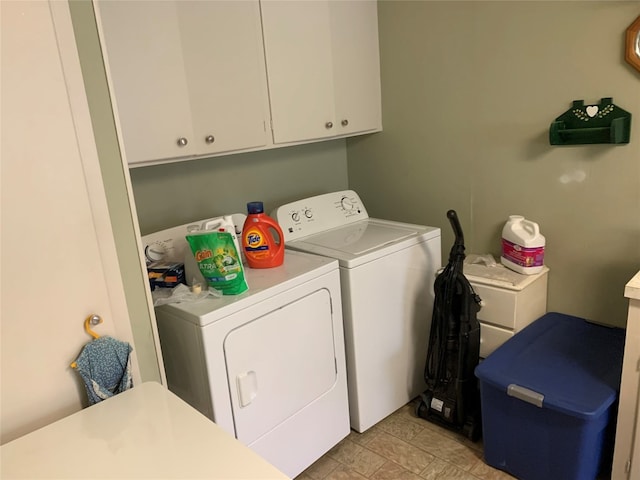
pixel 219 261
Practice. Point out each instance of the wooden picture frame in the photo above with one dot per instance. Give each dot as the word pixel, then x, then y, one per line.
pixel 632 44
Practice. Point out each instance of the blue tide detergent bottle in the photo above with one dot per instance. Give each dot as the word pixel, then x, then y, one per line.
pixel 262 238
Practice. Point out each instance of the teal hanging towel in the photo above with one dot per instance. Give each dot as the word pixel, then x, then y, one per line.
pixel 588 124
pixel 105 368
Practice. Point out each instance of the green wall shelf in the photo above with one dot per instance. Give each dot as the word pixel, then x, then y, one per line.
pixel 601 123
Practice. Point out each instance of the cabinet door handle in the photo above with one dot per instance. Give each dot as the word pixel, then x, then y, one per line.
pixel 209 139
pixel 328 125
pixel 344 122
pixel 182 142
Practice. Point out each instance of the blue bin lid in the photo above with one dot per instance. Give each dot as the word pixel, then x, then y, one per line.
pixel 559 362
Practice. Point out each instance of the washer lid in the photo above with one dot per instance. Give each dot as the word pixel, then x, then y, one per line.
pixel 362 237
pixel 364 241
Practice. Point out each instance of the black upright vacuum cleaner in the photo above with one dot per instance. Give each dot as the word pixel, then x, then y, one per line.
pixel 452 397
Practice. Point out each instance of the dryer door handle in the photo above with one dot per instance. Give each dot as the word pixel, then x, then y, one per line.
pixel 247 384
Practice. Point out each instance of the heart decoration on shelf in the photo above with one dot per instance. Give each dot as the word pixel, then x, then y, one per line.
pixel 592 110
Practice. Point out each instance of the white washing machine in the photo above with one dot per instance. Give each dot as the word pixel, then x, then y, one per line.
pixel 386 272
pixel 267 365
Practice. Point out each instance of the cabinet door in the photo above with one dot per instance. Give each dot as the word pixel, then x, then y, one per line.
pixel 224 64
pixel 143 52
pixel 356 66
pixel 297 44
pixel 323 68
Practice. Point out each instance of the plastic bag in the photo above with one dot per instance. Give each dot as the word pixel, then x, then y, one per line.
pixel 486 259
pixel 183 294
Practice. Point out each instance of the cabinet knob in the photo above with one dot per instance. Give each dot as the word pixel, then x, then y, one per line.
pixel 344 122
pixel 182 142
pixel 328 125
pixel 209 139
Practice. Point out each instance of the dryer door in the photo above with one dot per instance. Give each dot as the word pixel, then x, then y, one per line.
pixel 280 363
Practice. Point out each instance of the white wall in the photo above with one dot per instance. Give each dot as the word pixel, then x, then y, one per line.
pixel 58 255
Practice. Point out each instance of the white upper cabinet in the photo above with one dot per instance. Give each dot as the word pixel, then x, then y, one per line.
pixel 196 78
pixel 297 40
pixel 224 61
pixel 356 66
pixel 187 77
pixel 323 68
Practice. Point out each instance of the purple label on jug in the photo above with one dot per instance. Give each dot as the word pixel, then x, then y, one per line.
pixel 523 256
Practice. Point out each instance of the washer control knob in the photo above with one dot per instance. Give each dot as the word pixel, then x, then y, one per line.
pixel 155 252
pixel 308 213
pixel 295 216
pixel 346 203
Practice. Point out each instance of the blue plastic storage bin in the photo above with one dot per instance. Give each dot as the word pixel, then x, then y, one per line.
pixel 549 399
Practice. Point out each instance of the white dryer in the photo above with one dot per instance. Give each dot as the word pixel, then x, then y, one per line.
pixel 387 270
pixel 267 365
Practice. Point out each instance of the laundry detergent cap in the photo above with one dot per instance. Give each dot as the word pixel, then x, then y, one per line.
pixel 255 208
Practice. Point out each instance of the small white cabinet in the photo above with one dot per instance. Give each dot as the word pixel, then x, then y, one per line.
pixel 323 68
pixel 510 302
pixel 187 78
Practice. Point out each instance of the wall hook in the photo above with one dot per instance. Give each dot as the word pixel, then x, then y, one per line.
pixel 92 319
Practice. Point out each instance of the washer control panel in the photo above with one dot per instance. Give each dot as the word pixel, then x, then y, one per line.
pixel 320 213
pixel 170 245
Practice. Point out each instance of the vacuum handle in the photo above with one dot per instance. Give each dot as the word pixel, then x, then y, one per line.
pixel 455 224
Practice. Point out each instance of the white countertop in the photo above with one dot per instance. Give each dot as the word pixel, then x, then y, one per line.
pixel 632 288
pixel 146 432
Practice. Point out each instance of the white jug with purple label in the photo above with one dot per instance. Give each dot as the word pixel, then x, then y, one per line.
pixel 522 246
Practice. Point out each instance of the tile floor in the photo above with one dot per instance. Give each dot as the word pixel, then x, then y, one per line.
pixel 403 447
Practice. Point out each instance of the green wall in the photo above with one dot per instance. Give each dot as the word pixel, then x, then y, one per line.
pixel 469 89
pixel 178 193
